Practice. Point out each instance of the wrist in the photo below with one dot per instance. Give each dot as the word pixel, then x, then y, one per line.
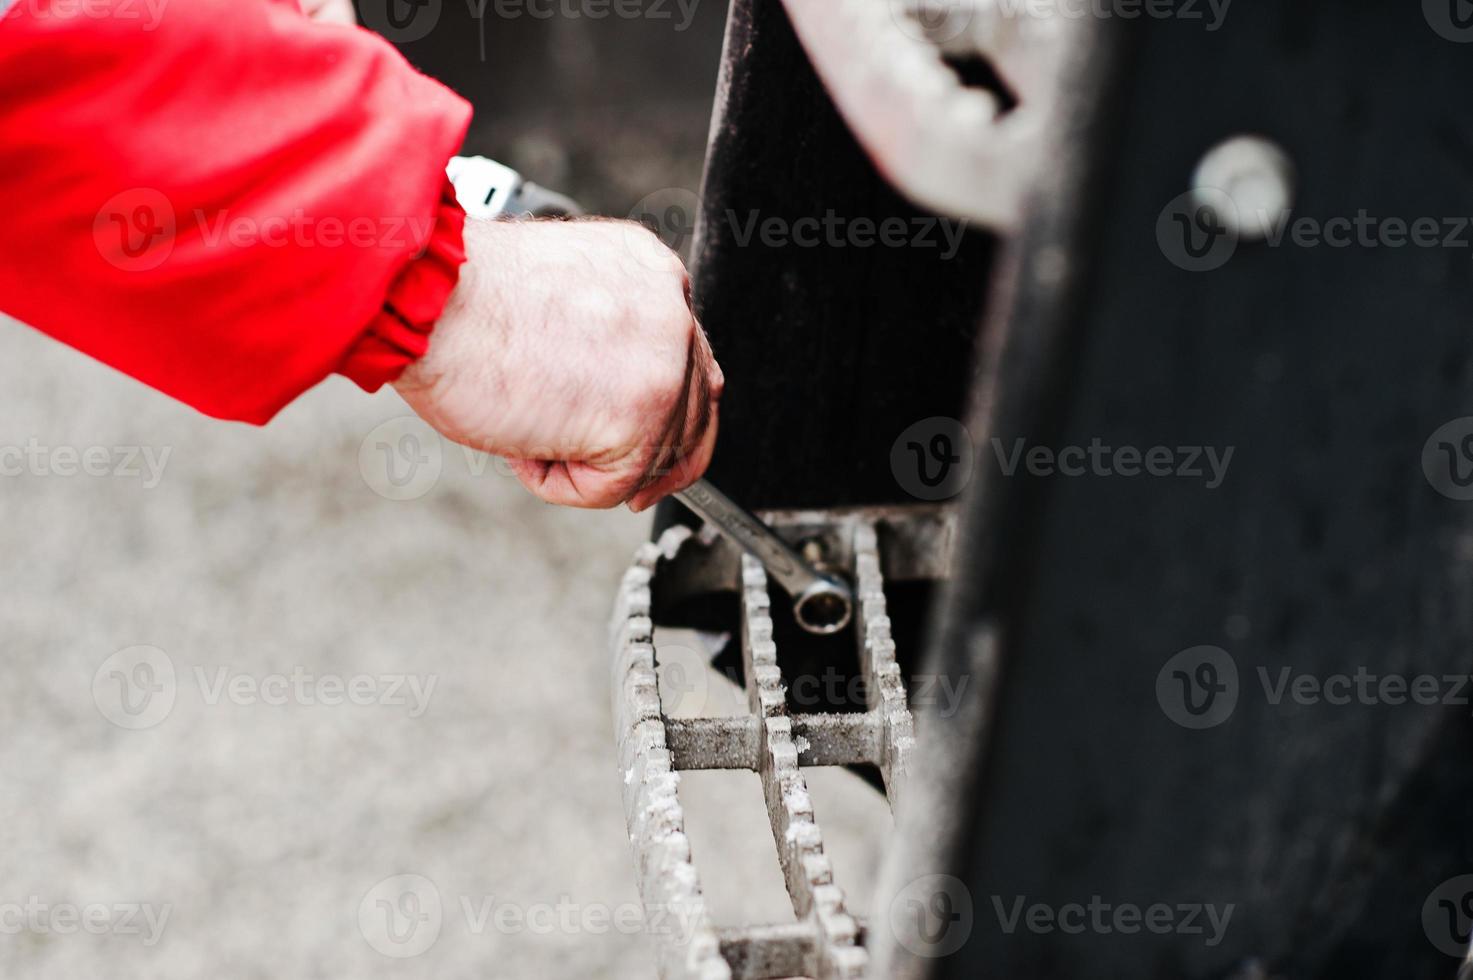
pixel 399 335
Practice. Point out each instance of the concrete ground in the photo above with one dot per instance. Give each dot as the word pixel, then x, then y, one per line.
pixel 248 684
pixel 268 566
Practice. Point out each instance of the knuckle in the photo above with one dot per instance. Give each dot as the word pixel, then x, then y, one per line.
pixel 672 265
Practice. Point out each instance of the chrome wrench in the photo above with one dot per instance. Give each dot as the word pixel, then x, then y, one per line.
pixel 822 604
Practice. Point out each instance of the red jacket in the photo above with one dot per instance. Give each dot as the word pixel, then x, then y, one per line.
pixel 225 200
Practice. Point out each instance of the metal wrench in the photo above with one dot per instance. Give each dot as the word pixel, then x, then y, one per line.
pixel 821 603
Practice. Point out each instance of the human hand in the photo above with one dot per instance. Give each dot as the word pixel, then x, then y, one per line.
pixel 570 348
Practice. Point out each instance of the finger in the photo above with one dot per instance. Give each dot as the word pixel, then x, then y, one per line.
pixel 688 468
pixel 673 455
pixel 679 456
pixel 693 456
pixel 716 378
pixel 574 484
pixel 658 453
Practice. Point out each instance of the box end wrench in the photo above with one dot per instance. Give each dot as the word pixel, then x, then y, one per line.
pixel 822 604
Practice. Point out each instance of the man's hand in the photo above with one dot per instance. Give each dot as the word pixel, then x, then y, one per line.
pixel 570 348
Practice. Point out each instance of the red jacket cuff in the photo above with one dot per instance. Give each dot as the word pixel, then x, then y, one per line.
pixel 400 332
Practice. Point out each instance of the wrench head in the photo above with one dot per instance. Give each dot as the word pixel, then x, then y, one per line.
pixel 824 608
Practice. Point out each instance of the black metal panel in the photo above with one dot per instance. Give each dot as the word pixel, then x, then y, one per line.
pixel 1324 550
pixel 829 353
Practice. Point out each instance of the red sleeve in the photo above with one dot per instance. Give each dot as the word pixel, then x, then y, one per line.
pixel 400 332
pixel 218 196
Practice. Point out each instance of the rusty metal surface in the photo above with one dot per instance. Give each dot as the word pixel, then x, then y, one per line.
pixel 826 943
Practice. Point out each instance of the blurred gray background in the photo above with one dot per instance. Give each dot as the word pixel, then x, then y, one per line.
pixel 249 557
